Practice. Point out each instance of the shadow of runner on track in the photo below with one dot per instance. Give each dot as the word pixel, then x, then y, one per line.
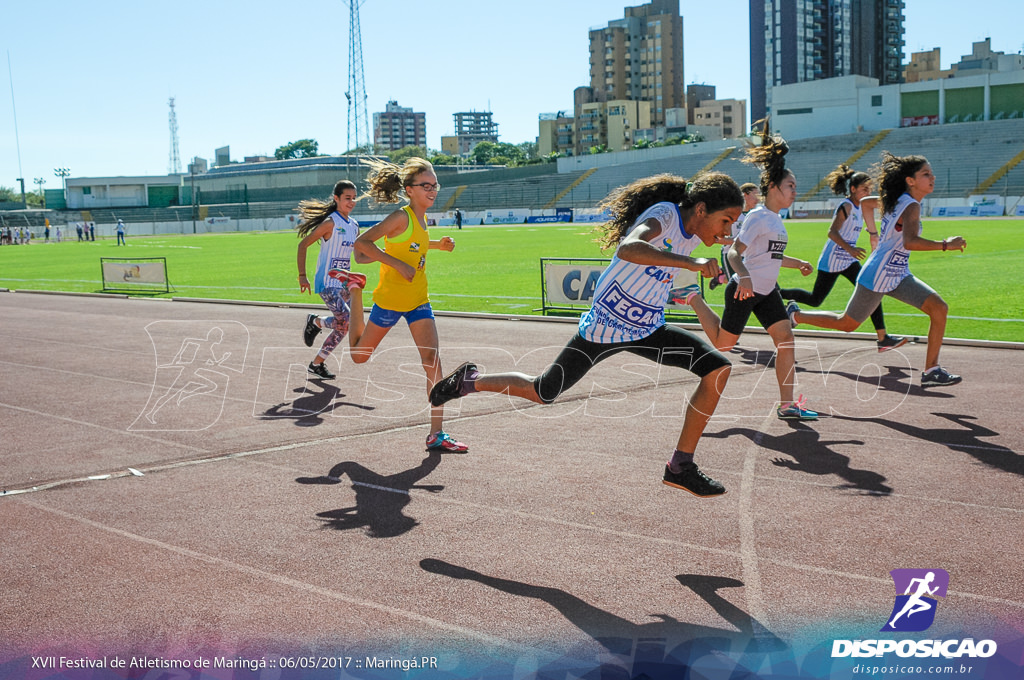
pixel 656 649
pixel 309 409
pixel 813 456
pixel 380 499
pixel 966 439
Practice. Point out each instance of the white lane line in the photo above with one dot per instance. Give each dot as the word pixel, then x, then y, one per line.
pixel 291 582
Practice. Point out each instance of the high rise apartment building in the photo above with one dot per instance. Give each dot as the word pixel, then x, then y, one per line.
pixel 398 127
pixel 471 128
pixel 640 58
pixel 795 41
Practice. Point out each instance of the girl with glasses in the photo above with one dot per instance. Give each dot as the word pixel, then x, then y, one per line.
pixel 402 290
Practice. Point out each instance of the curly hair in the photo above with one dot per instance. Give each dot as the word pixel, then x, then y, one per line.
pixel 770 156
pixel 387 180
pixel 314 212
pixel 845 179
pixel 716 190
pixel 893 172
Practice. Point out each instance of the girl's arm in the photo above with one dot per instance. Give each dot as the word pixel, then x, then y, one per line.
pixel 796 263
pixel 322 231
pixel 867 209
pixel 446 243
pixel 366 246
pixel 912 239
pixel 745 287
pixel 833 233
pixel 636 248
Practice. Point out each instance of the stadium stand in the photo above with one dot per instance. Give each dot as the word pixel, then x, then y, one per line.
pixel 968 158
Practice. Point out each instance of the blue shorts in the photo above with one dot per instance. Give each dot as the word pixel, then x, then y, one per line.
pixel 385 318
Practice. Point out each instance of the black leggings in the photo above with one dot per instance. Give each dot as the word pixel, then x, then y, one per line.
pixel 823 286
pixel 668 345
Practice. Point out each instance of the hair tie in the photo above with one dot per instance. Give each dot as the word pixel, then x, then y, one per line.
pixel 689 186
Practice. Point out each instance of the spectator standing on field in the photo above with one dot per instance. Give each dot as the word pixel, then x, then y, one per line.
pixel 120 233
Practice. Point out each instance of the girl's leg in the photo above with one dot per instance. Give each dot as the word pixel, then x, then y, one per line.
pixel 362 347
pixel 424 334
pixel 877 317
pixel 709 320
pixel 823 284
pixel 781 333
pixel 701 407
pixel 936 309
pixel 837 322
pixel 336 300
pixel 356 322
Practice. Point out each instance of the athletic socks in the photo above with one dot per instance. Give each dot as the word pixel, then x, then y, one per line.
pixel 469 382
pixel 675 464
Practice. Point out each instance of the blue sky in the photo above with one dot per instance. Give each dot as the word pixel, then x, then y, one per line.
pixel 92 80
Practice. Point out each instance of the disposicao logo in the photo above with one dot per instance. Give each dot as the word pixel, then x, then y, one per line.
pixel 914 611
pixel 915 608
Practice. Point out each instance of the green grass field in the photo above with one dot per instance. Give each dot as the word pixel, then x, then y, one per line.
pixel 496 269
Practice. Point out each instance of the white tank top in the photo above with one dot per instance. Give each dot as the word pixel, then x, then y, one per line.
pixel 336 252
pixel 629 299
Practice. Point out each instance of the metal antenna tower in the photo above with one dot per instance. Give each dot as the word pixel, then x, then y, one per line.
pixel 174 167
pixel 358 121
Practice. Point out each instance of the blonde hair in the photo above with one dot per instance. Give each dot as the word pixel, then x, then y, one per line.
pixel 386 180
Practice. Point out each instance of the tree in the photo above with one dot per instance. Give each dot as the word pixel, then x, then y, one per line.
pixel 501 153
pixel 443 159
pixel 406 152
pixel 303 148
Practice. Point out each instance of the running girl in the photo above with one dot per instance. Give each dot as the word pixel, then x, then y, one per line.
pixel 756 257
pixel 903 183
pixel 328 222
pixel 656 222
pixel 402 291
pixel 751 195
pixel 840 256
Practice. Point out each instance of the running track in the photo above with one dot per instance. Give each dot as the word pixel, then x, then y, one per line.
pixel 266 515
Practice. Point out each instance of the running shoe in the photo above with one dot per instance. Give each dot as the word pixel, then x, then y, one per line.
pixel 442 441
pixel 939 377
pixel 719 280
pixel 450 386
pixel 320 371
pixel 354 279
pixel 791 309
pixel 683 296
pixel 691 479
pixel 794 410
pixel 311 330
pixel 891 342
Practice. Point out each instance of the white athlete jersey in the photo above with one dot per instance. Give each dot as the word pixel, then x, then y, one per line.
pixel 836 259
pixel 765 238
pixel 336 252
pixel 889 264
pixel 629 299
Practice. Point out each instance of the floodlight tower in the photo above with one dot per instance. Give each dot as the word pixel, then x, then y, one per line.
pixel 358 125
pixel 174 166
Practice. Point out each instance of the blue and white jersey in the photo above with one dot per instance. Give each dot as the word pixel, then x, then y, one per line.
pixel 765 238
pixel 889 264
pixel 836 259
pixel 629 299
pixel 336 252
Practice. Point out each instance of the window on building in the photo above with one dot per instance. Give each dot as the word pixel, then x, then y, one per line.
pixel 876 100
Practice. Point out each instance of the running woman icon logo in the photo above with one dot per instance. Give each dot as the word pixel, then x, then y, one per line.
pixel 916 590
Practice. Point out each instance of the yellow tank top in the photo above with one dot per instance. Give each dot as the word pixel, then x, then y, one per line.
pixel 394 292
